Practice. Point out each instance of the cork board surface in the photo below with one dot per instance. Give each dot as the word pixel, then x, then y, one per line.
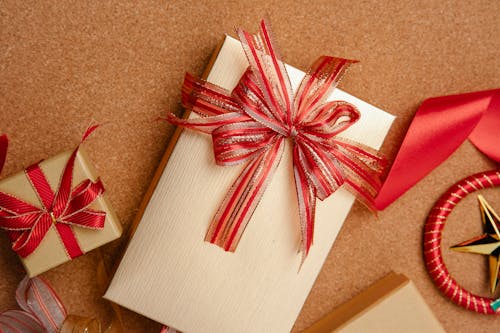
pixel 121 63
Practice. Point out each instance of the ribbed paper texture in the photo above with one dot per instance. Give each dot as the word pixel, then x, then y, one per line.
pixel 171 275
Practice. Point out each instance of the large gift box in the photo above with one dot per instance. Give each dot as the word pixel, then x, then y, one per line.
pixel 41 248
pixel 172 276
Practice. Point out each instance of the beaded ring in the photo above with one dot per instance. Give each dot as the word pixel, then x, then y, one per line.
pixel 432 243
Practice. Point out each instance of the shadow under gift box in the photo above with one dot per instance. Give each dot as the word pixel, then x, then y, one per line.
pixel 172 276
pixel 51 252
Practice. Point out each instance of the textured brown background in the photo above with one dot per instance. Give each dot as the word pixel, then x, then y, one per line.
pixel 63 64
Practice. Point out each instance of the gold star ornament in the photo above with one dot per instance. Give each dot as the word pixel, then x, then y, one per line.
pixel 488 243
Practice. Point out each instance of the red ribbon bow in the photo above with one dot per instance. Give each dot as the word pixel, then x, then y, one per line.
pixel 27 225
pixel 250 124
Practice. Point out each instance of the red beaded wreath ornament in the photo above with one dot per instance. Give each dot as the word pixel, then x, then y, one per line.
pixel 487 244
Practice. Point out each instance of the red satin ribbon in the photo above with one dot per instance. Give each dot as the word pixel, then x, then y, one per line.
pixel 27 225
pixel 4 142
pixel 250 124
pixel 439 127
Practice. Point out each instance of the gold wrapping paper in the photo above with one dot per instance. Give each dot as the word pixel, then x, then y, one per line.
pixel 51 252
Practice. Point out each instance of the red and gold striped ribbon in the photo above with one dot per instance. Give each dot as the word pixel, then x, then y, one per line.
pixel 251 123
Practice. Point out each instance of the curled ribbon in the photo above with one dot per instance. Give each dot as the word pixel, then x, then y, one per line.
pixel 43 312
pixel 250 124
pixel 4 142
pixel 439 127
pixel 26 225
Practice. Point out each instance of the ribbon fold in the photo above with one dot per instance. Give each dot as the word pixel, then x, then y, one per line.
pixel 26 225
pixel 439 127
pixel 250 124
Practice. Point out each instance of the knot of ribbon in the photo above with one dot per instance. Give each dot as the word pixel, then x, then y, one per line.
pixel 250 124
pixel 43 312
pixel 26 224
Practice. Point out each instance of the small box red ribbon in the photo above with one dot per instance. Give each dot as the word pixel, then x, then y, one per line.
pixel 26 225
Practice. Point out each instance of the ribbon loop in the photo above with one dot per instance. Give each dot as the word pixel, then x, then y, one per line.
pixel 4 143
pixel 331 119
pixel 269 71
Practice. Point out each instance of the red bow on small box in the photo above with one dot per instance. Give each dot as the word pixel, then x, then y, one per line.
pixel 27 225
pixel 250 124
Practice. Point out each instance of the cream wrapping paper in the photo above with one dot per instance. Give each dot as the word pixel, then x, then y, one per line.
pixel 171 275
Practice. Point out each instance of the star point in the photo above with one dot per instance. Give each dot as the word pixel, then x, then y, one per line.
pixel 488 243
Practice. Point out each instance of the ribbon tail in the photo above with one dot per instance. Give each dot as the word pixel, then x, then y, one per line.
pixel 306 198
pixel 4 144
pixel 439 127
pixel 485 134
pixel 82 196
pixel 238 206
pixel 89 132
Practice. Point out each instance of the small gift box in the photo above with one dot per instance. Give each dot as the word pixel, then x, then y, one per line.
pixel 55 211
pixel 171 275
